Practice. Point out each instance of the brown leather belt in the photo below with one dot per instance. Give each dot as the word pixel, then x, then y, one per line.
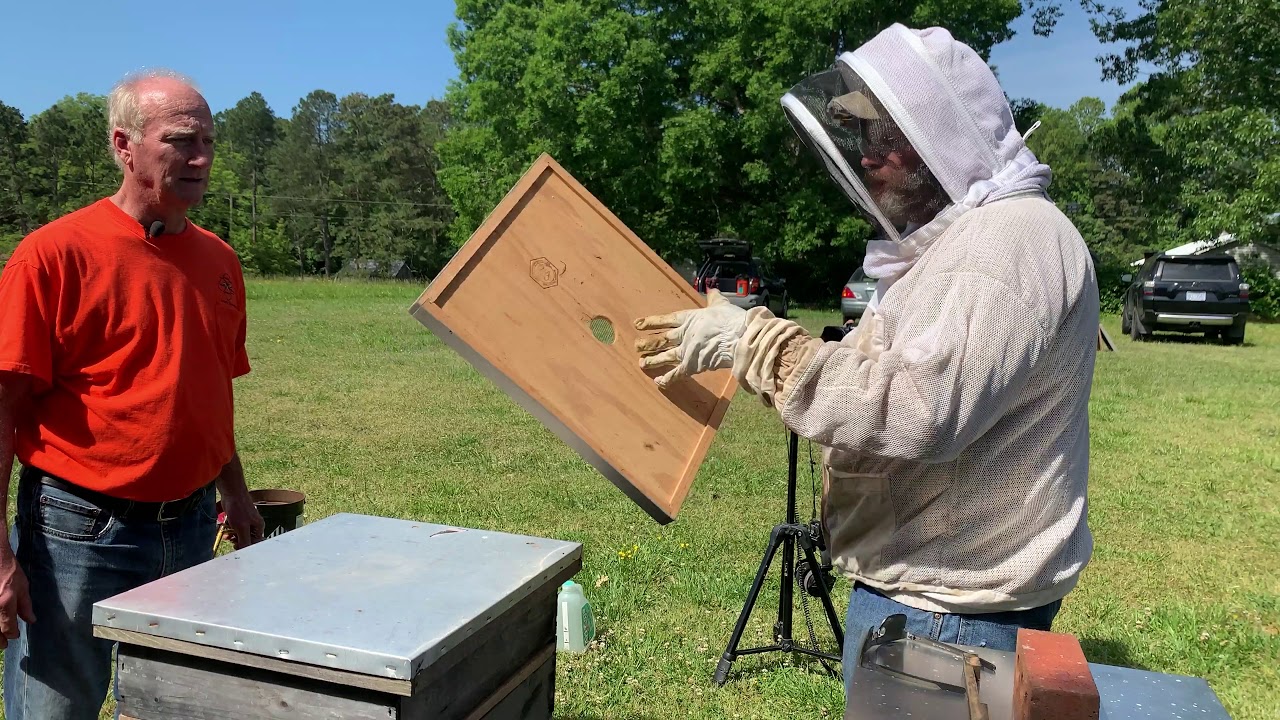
pixel 121 507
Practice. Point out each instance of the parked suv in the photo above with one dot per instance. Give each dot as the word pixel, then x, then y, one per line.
pixel 744 280
pixel 1187 294
pixel 855 295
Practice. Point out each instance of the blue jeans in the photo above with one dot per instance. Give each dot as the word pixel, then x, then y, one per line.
pixel 75 554
pixel 998 631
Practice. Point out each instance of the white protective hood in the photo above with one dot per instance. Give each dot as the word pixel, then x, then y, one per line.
pixel 949 105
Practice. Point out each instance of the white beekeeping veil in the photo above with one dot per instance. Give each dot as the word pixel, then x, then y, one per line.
pixel 840 119
pixel 934 102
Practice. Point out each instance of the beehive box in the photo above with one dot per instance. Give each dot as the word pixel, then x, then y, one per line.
pixel 542 300
pixel 352 616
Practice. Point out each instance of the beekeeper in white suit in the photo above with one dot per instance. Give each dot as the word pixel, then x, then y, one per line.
pixel 954 419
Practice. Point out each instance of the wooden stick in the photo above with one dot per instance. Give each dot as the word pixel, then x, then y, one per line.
pixel 972 672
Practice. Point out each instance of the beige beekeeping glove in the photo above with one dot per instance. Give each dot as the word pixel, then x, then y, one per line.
pixel 698 340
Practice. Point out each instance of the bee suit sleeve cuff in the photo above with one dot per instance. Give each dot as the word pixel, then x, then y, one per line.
pixel 770 351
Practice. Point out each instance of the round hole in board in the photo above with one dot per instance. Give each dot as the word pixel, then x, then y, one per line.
pixel 602 329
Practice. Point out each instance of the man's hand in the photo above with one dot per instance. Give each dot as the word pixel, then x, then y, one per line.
pixel 15 596
pixel 243 523
pixel 700 340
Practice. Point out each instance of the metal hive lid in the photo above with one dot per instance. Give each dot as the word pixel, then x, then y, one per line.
pixel 370 595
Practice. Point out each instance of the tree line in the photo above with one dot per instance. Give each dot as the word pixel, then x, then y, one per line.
pixel 668 112
pixel 343 184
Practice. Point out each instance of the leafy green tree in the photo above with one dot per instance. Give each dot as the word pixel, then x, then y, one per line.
pixel 47 135
pixel 1201 135
pixel 391 204
pixel 669 113
pixel 375 147
pixel 1102 200
pixel 271 253
pixel 14 196
pixel 69 158
pixel 1087 183
pixel 250 128
pixel 1264 288
pixel 1204 54
pixel 305 178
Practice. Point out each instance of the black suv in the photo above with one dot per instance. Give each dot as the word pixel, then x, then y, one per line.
pixel 744 280
pixel 1188 294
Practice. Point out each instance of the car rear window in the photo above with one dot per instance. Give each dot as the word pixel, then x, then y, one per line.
pixel 858 275
pixel 731 269
pixel 1196 271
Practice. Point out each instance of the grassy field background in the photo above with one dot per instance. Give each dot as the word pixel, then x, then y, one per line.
pixel 354 403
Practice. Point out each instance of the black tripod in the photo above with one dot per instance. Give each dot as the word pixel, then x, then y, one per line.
pixel 785 535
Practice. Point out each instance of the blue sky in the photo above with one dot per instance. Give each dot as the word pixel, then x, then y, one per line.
pixel 395 46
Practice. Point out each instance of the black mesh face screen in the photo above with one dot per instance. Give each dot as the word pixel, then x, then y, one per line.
pixel 849 130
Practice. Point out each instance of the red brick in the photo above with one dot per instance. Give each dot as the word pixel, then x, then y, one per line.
pixel 1051 679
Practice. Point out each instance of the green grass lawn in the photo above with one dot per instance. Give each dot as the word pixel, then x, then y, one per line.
pixel 354 403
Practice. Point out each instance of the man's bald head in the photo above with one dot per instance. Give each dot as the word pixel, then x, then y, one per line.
pixel 138 97
pixel 161 132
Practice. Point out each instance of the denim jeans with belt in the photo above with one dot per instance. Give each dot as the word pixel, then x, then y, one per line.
pixel 74 554
pixel 998 631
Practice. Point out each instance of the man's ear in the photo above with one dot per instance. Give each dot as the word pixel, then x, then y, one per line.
pixel 121 145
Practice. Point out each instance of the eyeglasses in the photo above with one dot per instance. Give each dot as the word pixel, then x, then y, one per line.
pixel 871 138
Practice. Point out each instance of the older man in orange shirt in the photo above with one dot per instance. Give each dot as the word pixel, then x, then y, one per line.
pixel 123 328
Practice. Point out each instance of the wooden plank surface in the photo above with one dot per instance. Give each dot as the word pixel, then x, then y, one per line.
pixel 528 695
pixel 1104 340
pixel 525 300
pixel 159 684
pixel 340 677
pixel 486 661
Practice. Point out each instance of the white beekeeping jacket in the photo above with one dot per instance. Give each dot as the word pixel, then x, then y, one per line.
pixel 955 418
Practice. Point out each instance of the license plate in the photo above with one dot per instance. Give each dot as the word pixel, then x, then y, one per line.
pixel 1196 295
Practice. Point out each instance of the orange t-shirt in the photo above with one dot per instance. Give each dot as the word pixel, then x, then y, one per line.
pixel 132 344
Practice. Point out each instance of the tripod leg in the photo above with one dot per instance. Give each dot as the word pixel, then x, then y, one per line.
pixel 786 598
pixel 731 652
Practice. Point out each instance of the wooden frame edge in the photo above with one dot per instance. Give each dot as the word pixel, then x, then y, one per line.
pixel 534 406
pixel 449 273
pixel 704 442
pixel 640 245
pixel 403 688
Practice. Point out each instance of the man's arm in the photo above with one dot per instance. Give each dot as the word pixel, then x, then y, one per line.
pixel 243 519
pixel 15 597
pixel 14 391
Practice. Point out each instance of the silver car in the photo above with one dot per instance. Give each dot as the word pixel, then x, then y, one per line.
pixel 855 295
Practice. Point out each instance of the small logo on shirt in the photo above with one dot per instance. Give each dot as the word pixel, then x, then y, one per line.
pixel 228 289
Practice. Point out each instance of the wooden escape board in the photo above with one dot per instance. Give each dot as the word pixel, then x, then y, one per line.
pixel 542 300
